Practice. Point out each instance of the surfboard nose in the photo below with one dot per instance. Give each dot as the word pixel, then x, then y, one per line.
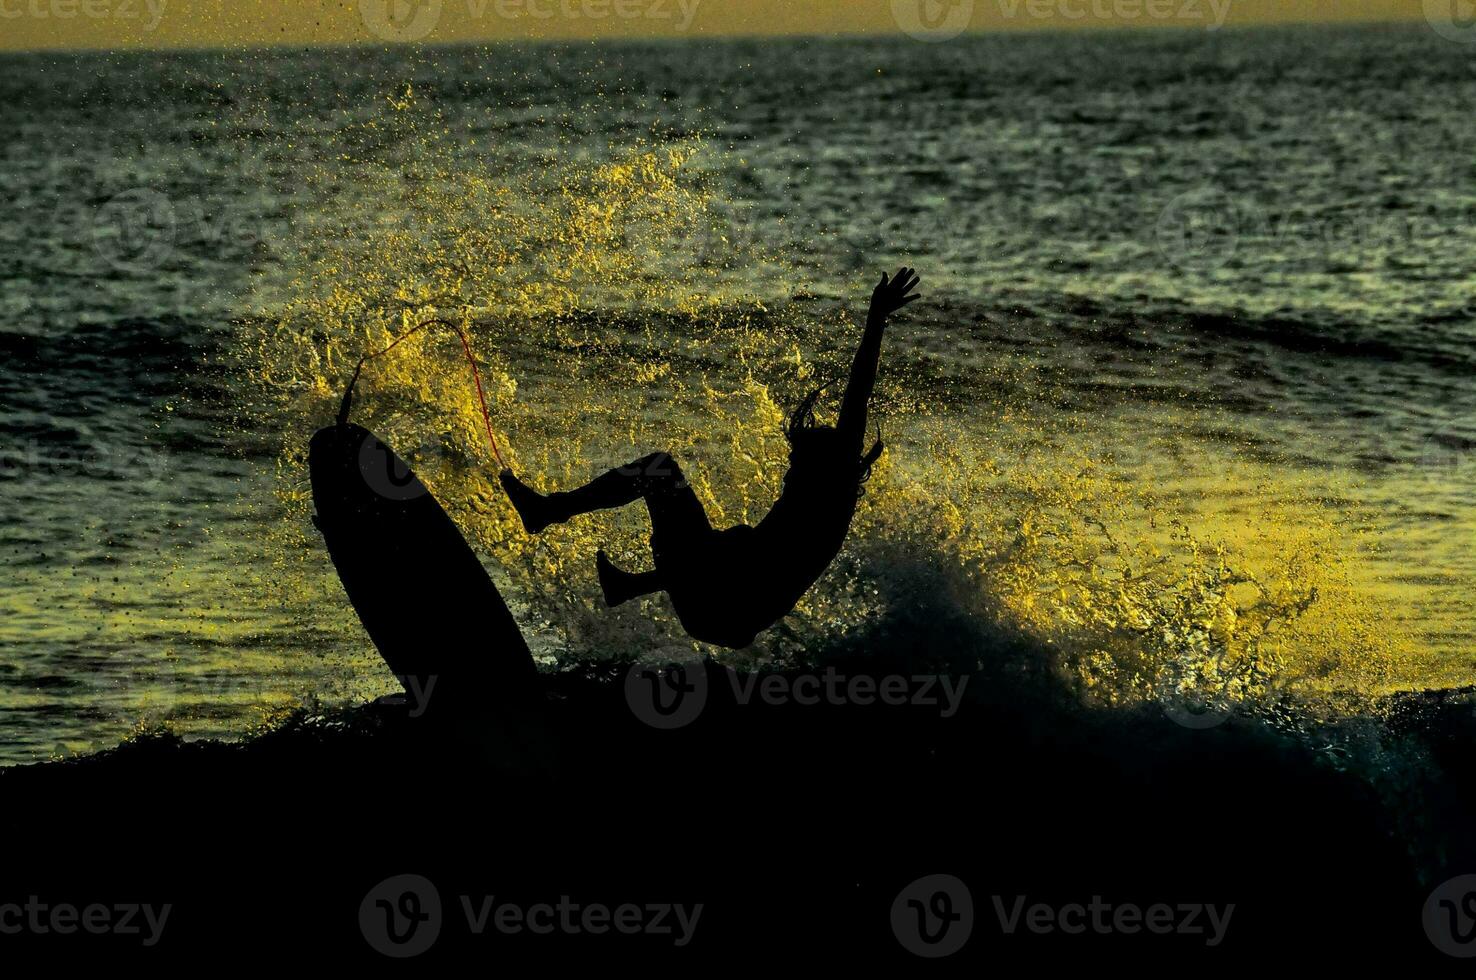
pixel 383 477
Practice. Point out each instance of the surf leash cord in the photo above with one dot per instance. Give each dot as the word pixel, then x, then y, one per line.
pixel 348 395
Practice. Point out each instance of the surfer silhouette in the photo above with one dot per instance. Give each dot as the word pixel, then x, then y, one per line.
pixel 729 585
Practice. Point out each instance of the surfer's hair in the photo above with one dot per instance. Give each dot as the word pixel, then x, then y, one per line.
pixel 802 427
pixel 802 419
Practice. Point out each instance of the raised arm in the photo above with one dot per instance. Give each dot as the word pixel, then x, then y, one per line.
pixel 890 296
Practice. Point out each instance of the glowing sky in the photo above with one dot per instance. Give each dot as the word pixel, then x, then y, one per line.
pixel 29 24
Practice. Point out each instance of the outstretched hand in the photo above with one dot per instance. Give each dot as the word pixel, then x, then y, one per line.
pixel 893 294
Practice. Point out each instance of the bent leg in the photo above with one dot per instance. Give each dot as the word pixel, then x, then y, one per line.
pixel 620 586
pixel 679 529
pixel 653 475
pixel 656 478
pixel 679 522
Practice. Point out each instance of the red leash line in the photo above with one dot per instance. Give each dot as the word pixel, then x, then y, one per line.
pixel 476 376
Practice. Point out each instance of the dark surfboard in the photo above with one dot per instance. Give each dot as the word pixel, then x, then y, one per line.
pixel 422 595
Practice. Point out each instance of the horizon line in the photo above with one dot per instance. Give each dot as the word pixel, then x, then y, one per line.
pixel 1087 29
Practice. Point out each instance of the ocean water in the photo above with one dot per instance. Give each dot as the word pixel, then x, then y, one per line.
pixel 1189 399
